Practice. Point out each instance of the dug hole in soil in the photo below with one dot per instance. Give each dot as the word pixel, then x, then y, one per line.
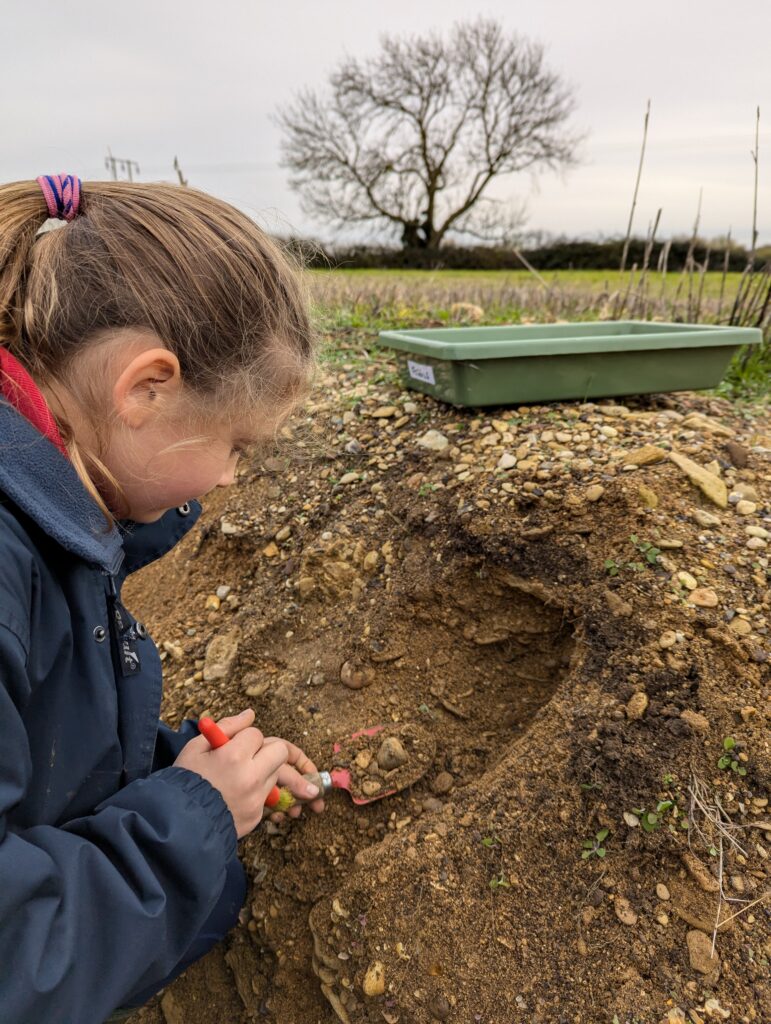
pixel 577 633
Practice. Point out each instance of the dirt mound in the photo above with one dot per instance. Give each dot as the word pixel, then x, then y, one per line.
pixel 550 624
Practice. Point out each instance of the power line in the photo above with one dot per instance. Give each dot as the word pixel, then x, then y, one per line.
pixel 126 166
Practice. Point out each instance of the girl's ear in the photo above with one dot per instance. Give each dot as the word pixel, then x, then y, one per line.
pixel 147 383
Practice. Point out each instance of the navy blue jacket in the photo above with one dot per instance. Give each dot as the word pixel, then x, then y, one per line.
pixel 110 859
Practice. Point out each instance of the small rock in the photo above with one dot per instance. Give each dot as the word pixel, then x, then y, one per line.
pixel 220 655
pixel 756 544
pixel 624 911
pixel 171 1010
pixel 617 605
pixel 433 440
pixel 695 720
pixel 374 980
pixel 174 651
pixel 306 585
pixel 507 461
pixel 744 490
pixel 348 478
pixel 222 592
pixel 703 597
pixel 740 626
pixel 363 759
pixel 737 453
pixel 370 787
pixel 637 705
pixel 431 804
pixel 706 519
pixel 745 508
pixel 270 550
pixel 439 1007
pixel 384 412
pixel 699 872
pixel 355 676
pixel 443 783
pixel 737 883
pixel 284 534
pixel 700 953
pixel 645 456
pixel 370 561
pixel 595 492
pixel 391 754
pixel 667 639
pixel 662 892
pixel 687 580
pixel 229 529
pixel 631 819
pixel 709 484
pixel 662 918
pixel 212 603
pixel 648 496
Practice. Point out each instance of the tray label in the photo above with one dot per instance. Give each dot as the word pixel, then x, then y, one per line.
pixel 419 371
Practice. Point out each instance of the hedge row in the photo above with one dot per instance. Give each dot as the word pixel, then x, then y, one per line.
pixel 557 255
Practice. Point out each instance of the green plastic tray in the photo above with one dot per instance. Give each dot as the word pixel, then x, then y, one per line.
pixel 550 362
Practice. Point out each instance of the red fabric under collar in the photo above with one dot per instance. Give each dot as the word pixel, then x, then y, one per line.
pixel 18 388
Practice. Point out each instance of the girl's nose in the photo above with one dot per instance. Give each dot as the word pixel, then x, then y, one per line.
pixel 229 475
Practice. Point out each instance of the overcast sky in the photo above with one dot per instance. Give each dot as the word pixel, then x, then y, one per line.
pixel 155 78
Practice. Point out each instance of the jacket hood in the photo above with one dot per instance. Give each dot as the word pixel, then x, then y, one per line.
pixel 46 487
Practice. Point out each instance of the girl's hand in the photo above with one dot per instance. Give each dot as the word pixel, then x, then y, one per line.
pixel 243 770
pixel 290 774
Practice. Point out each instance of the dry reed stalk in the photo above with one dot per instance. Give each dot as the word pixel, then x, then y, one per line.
pixel 625 251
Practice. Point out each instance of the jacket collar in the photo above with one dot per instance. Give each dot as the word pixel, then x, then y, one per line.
pixel 46 487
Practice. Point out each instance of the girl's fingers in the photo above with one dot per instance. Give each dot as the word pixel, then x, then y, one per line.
pixel 235 723
pixel 296 757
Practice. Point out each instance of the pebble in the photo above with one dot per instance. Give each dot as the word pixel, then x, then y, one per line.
pixel 737 453
pixel 703 597
pixel 370 787
pixel 662 892
pixel 687 580
pixel 507 461
pixel 439 1007
pixel 355 676
pixel 431 804
pixel 229 529
pixel 645 456
pixel 271 550
pixel 222 592
pixel 710 485
pixel 374 980
pixel 595 492
pixel 384 412
pixel 348 478
pixel 624 911
pixel 706 519
pixel 443 783
pixel 745 508
pixel 700 953
pixel 756 544
pixel 433 441
pixel 648 496
pixel 391 754
pixel 740 626
pixel 667 639
pixel 637 705
pixel 220 655
pixel 284 533
pixel 212 603
pixel 699 872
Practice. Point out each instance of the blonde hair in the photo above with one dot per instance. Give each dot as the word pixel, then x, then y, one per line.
pixel 201 275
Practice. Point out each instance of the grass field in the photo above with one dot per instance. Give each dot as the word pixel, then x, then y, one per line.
pixel 367 301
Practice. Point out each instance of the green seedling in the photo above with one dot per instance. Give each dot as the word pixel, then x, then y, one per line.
pixel 425 489
pixel 594 847
pixel 728 760
pixel 499 883
pixel 612 567
pixel 651 821
pixel 645 548
pixel 587 787
pixel 424 709
pixel 490 842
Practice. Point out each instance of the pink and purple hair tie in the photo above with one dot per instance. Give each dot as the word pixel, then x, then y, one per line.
pixel 62 195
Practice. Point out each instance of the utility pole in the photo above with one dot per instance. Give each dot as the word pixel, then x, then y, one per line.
pixel 180 175
pixel 114 164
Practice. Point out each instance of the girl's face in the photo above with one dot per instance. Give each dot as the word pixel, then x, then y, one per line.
pixel 158 450
pixel 170 467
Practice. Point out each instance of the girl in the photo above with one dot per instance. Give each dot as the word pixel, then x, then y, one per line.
pixel 143 345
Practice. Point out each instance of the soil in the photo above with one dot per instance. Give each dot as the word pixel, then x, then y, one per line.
pixel 536 623
pixel 383 764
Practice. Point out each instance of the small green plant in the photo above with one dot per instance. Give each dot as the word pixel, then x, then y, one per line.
pixel 594 847
pixel 490 841
pixel 424 709
pixel 587 787
pixel 645 548
pixel 612 567
pixel 425 489
pixel 499 883
pixel 651 821
pixel 728 760
pixel 668 779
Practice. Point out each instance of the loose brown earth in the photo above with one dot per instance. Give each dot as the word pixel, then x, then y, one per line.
pixel 565 696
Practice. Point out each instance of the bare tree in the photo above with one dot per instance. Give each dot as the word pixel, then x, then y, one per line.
pixel 413 136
